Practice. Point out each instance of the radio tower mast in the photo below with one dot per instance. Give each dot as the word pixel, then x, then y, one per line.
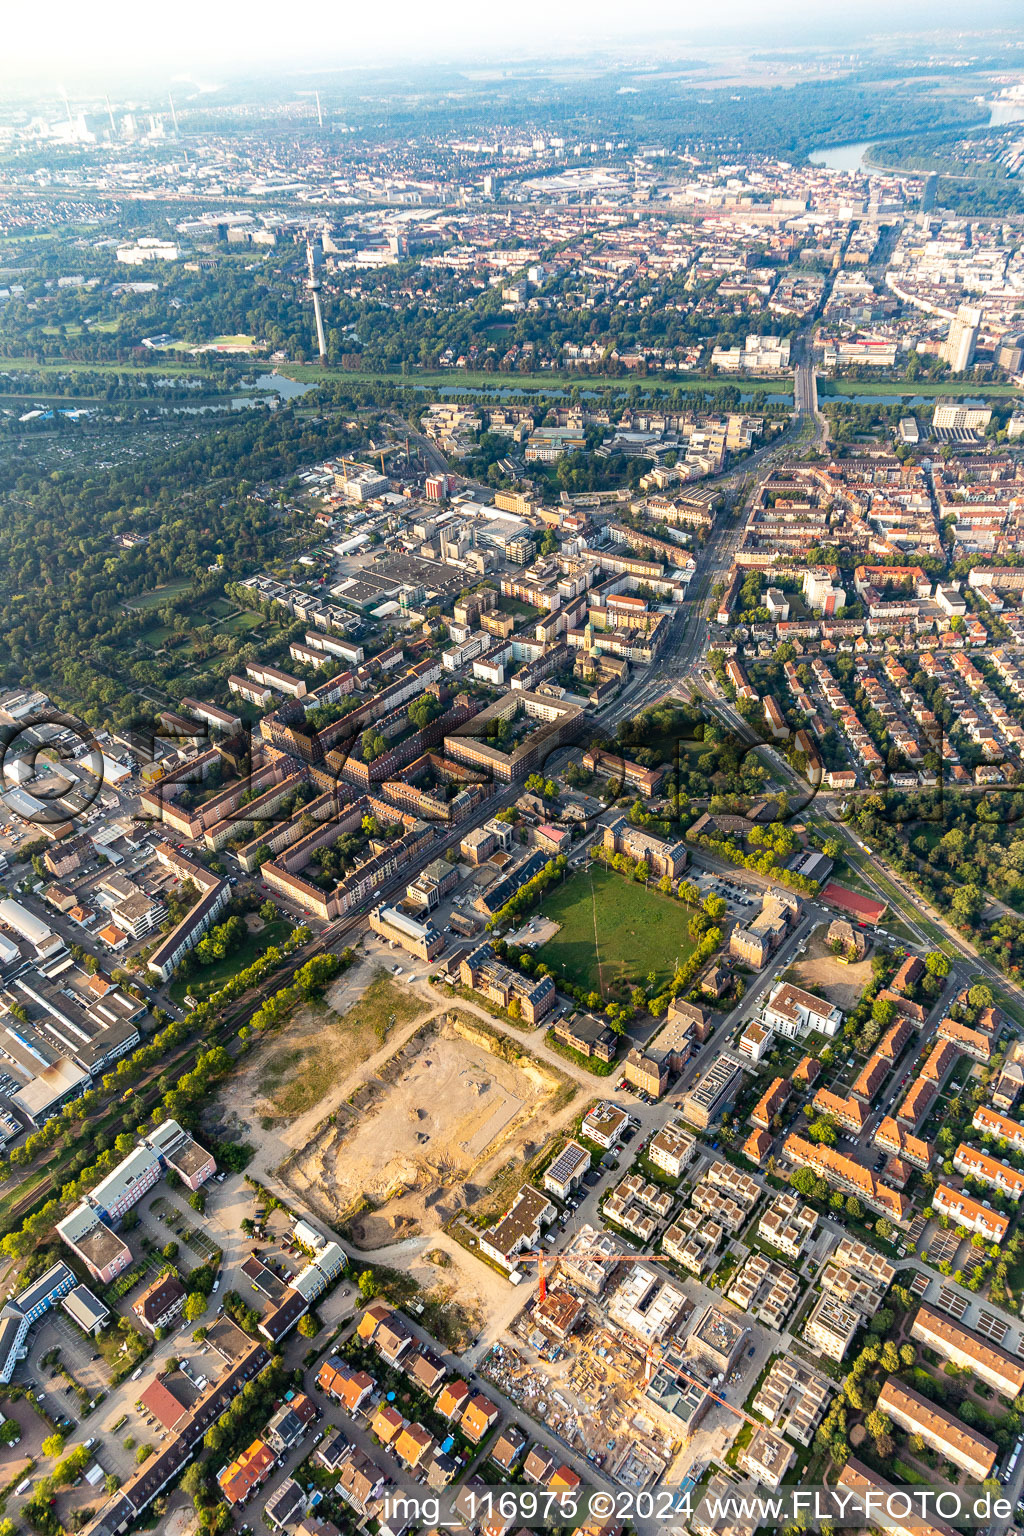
pixel 314 285
pixel 319 113
pixel 174 115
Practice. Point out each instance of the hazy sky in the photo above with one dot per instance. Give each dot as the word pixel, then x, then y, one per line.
pixel 61 41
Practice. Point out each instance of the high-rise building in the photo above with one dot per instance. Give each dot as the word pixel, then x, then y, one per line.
pixel 1010 353
pixel 958 350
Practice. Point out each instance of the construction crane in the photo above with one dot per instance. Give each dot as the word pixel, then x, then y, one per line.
pixel 653 1355
pixel 536 1257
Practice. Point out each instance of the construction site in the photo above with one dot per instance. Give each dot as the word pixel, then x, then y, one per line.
pixel 428 1132
pixel 640 1406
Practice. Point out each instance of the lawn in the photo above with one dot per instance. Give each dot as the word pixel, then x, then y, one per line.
pixel 842 388
pixel 321 1046
pixel 208 978
pixel 613 933
pixel 158 595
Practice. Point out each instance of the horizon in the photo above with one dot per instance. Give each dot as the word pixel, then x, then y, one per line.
pixel 209 50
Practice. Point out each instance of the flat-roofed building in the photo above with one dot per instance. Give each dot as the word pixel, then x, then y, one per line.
pixel 520 1227
pixel 717 1341
pixel 767 1458
pixel 793 1398
pixel 766 1289
pixel 693 1241
pixel 566 1172
pixel 544 724
pixel 831 1326
pixel 18 1314
pixel 755 1042
pixel 103 1251
pixel 671 1149
pixel 712 1092
pixel 647 1302
pixel 788 1225
pixel 974 1453
pixel 604 1123
pixel 862 1260
pixel 588 1260
pixel 673 1399
pixel 739 1186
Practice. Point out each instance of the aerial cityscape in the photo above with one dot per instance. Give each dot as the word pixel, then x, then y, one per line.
pixel 511 772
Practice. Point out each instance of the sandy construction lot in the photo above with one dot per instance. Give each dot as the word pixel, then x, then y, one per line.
pixel 423 1137
pixel 842 984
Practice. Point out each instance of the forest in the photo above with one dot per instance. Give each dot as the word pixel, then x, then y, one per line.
pixel 67 582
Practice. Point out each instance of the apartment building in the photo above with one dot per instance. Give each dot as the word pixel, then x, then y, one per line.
pixel 978 1165
pixel 621 769
pixel 160 1303
pixel 756 1040
pixel 544 724
pixel 968 1350
pixel 831 1326
pixel 214 895
pixel 604 1124
pixel 566 1172
pixel 693 1241
pixel 846 1174
pixel 874 1496
pixel 974 1453
pixel 793 1012
pixel 672 1149
pixel 850 1112
pixel 766 1289
pixel 662 858
pixel 990 1123
pixel 974 1042
pixel 712 1092
pixel 520 1228
pixel 770 1103
pixel 766 1458
pixel 965 1212
pixel 793 1398
pixel 788 1225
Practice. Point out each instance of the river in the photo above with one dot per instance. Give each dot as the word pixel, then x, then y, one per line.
pixel 850 157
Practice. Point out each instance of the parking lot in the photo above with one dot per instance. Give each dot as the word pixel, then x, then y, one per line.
pixel 739 899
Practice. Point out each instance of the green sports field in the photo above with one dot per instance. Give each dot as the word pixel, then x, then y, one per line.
pixel 613 932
